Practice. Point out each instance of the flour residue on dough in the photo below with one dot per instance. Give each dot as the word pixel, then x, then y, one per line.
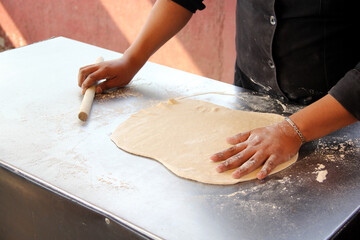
pixel 183 134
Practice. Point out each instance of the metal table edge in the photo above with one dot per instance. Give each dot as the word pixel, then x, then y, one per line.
pixel 62 193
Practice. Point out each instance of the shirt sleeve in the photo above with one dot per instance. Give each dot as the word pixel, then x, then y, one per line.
pixel 191 5
pixel 347 91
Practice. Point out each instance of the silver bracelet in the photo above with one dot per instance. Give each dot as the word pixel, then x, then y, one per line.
pixel 296 130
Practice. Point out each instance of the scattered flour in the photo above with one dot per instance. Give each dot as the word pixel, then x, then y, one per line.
pixel 320 167
pixel 114 183
pixel 321 173
pixel 278 183
pixel 331 158
pixel 262 200
pixel 255 102
pixel 285 179
pixel 321 176
pixel 124 92
pixel 337 150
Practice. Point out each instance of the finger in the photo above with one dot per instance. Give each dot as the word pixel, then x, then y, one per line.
pixel 250 165
pixel 220 156
pixel 93 78
pixel 235 161
pixel 84 72
pixel 269 165
pixel 108 84
pixel 267 168
pixel 241 137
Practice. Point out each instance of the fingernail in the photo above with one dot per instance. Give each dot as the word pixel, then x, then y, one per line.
pixel 238 173
pixel 261 174
pixel 219 169
pixel 214 158
pixel 229 139
pixel 98 89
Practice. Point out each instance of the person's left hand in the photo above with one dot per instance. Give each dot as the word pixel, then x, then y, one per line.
pixel 269 145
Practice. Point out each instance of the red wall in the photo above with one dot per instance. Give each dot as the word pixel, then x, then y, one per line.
pixel 205 46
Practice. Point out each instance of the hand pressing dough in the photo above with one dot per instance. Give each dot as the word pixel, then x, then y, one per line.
pixel 183 134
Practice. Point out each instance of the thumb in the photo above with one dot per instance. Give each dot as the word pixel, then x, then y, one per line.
pixel 106 85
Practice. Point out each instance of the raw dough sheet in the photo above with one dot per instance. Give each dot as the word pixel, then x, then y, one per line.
pixel 183 134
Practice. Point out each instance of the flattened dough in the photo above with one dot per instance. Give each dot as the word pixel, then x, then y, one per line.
pixel 183 134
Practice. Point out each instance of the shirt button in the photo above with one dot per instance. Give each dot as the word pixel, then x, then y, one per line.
pixel 272 20
pixel 271 64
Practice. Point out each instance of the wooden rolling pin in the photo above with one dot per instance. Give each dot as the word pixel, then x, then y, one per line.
pixel 87 101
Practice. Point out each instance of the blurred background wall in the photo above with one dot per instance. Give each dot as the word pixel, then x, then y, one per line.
pixel 204 47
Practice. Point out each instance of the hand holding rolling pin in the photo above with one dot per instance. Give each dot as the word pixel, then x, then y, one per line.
pixel 117 73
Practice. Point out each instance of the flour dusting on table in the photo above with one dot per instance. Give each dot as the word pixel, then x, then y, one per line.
pixel 124 92
pixel 321 173
pixel 321 176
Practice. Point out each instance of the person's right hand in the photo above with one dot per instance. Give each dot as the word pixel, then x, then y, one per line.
pixel 165 20
pixel 117 73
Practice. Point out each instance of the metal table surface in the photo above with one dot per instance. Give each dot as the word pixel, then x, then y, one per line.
pixel 42 139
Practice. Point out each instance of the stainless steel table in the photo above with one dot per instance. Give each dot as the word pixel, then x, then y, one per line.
pixel 52 165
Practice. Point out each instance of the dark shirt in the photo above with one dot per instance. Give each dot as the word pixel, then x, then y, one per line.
pixel 297 50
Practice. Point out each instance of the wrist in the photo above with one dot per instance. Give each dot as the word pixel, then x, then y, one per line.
pixel 296 130
pixel 134 58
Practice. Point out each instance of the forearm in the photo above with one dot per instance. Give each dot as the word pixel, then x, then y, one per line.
pixel 164 21
pixel 321 118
